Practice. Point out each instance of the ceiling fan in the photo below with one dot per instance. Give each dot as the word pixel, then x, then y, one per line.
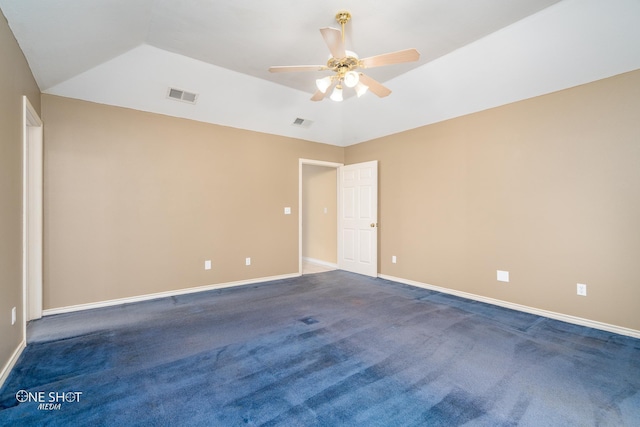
pixel 345 64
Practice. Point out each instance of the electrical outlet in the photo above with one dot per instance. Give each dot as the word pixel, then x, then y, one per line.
pixel 207 264
pixel 13 316
pixel 247 261
pixel 582 289
pixel 394 259
pixel 502 276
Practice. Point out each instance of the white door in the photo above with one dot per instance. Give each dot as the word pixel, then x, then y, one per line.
pixel 358 218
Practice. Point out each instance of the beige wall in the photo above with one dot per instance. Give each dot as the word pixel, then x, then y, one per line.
pixel 16 80
pixel 319 228
pixel 136 202
pixel 547 189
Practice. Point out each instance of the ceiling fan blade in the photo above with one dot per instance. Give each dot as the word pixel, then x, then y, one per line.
pixel 407 55
pixel 319 95
pixel 333 39
pixel 374 86
pixel 296 68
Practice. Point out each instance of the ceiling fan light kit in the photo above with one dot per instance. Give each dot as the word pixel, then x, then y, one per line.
pixel 344 64
pixel 336 95
pixel 361 89
pixel 324 83
pixel 351 79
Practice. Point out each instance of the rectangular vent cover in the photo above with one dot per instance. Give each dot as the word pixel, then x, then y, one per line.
pixel 182 95
pixel 303 123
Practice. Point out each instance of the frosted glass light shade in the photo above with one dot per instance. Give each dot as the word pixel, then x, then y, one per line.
pixel 351 79
pixel 361 89
pixel 337 94
pixel 323 84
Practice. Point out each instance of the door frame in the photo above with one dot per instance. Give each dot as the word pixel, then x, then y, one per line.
pixel 32 214
pixel 302 162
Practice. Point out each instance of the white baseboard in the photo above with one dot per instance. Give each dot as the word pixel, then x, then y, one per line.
pixel 545 313
pixel 11 363
pixel 177 292
pixel 540 312
pixel 320 262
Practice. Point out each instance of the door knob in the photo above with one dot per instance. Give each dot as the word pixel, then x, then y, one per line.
pixel 373 224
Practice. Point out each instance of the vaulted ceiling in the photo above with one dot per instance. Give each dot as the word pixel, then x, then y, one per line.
pixel 474 55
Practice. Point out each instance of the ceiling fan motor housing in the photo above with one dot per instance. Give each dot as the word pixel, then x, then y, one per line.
pixel 343 65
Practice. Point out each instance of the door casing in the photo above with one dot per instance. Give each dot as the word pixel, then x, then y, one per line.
pixel 302 162
pixel 32 212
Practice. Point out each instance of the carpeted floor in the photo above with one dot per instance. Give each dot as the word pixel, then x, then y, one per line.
pixel 329 349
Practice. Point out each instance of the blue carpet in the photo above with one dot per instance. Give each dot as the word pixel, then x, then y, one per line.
pixel 330 349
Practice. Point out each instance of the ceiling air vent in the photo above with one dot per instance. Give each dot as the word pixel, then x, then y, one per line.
pixel 303 123
pixel 182 95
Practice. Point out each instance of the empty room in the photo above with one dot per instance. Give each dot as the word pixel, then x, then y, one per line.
pixel 330 213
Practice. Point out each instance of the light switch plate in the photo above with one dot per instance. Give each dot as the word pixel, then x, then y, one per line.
pixel 503 276
pixel 287 211
pixel 247 261
pixel 207 264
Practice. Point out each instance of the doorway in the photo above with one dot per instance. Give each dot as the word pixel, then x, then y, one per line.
pixel 32 202
pixel 356 231
pixel 318 197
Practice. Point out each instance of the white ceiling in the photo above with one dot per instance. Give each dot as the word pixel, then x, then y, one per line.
pixel 474 55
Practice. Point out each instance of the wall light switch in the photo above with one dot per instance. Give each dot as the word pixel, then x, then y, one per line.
pixel 503 276
pixel 325 210
pixel 207 264
pixel 13 316
pixel 394 259
pixel 247 261
pixel 287 211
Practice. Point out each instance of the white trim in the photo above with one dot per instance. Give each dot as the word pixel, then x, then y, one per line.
pixel 302 162
pixel 32 214
pixel 31 114
pixel 11 363
pixel 537 311
pixel 139 298
pixel 320 163
pixel 320 262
